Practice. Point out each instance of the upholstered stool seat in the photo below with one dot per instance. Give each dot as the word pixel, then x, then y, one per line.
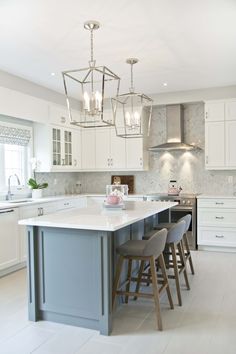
pixel 143 251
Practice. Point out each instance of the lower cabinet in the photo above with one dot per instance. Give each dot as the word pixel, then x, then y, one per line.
pixel 9 239
pixel 217 223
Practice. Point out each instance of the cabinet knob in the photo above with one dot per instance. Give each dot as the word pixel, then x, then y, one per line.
pixel 75 162
pixel 219 203
pixel 219 236
pixel 206 116
pixel 219 217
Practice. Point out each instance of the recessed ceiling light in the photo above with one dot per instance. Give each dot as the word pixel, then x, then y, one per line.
pixel 53 74
pixel 165 84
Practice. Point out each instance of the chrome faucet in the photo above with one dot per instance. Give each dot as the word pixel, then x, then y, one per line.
pixel 9 194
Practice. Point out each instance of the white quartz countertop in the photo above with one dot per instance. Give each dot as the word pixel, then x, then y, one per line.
pixel 216 196
pixel 29 201
pixel 97 217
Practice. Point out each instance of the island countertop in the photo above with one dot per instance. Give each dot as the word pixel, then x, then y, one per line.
pixel 99 218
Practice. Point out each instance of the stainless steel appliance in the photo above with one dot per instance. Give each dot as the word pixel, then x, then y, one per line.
pixel 187 204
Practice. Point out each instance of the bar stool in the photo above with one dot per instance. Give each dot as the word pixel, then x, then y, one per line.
pixel 187 253
pixel 145 251
pixel 174 249
pixel 173 241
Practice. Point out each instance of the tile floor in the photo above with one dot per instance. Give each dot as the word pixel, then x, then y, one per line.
pixel 206 323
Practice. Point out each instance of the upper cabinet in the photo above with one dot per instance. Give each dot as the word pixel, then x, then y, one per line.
pixel 214 111
pixel 88 149
pixel 220 132
pixel 60 149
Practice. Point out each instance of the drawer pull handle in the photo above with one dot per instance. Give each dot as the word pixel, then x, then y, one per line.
pixel 220 217
pixel 219 203
pixel 220 236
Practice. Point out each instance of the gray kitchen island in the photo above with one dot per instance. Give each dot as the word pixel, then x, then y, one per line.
pixel 71 261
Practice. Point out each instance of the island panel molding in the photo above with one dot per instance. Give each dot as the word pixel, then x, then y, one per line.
pixel 70 268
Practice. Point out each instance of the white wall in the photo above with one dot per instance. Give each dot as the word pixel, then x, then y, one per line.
pixel 30 88
pixel 194 95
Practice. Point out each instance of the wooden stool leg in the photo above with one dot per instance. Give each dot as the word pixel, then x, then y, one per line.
pixel 156 293
pixel 128 279
pixel 176 272
pixel 139 278
pixel 117 278
pixel 182 259
pixel 185 239
pixel 163 269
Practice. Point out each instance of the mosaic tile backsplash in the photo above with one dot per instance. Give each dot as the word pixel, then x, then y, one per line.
pixel 186 167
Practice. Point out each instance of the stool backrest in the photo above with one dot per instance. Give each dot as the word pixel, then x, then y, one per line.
pixel 187 218
pixel 156 244
pixel 176 232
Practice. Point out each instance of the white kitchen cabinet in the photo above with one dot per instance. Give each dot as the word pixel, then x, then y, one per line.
pixel 217 223
pixel 88 145
pixel 102 150
pixel 215 145
pixel 214 111
pixel 220 130
pixel 135 155
pixel 110 150
pixel 117 151
pixel 230 110
pixel 230 143
pixel 9 238
pixel 56 148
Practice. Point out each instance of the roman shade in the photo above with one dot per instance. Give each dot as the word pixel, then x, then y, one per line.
pixel 14 135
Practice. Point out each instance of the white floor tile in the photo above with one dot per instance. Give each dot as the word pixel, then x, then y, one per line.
pixel 25 341
pixel 206 323
pixel 67 340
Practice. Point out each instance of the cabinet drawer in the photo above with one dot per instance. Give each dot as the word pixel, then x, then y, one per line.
pixel 217 203
pixel 217 237
pixel 65 204
pixel 217 217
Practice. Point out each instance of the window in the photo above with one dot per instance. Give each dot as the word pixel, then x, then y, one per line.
pixel 15 154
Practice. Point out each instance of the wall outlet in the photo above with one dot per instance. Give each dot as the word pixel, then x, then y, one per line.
pixel 230 179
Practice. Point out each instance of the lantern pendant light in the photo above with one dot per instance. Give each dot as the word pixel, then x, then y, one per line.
pixel 85 90
pixel 132 111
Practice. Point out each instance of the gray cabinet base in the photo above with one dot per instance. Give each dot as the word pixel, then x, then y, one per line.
pixel 70 274
pixel 69 277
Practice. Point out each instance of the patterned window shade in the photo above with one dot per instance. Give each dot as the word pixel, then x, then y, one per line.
pixel 14 136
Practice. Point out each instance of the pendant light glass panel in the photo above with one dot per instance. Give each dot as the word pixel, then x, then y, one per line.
pixel 132 111
pixel 89 90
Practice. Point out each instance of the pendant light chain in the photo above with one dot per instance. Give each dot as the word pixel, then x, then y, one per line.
pixel 132 78
pixel 91 44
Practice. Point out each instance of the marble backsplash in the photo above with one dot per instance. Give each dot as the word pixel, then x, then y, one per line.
pixel 186 167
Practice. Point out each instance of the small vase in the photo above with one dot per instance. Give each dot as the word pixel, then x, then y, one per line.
pixel 37 193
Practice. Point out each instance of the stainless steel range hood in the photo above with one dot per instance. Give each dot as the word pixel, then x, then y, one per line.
pixel 174 131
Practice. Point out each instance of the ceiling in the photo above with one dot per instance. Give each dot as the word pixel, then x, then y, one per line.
pixel 188 44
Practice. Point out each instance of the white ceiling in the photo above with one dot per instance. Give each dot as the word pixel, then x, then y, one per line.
pixel 189 44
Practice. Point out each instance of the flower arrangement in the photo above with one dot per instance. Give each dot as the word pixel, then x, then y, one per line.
pixel 33 184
